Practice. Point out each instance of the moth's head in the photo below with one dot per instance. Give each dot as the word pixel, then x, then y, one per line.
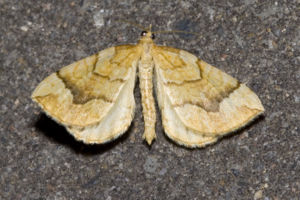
pixel 147 35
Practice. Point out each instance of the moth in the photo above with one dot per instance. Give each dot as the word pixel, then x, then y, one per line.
pixel 93 98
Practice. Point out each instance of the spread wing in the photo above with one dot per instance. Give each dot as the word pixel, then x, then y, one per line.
pixel 198 102
pixel 93 98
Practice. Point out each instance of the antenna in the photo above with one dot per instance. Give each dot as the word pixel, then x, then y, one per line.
pixel 150 27
pixel 178 31
pixel 134 24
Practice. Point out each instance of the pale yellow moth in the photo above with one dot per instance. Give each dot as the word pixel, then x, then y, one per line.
pixel 93 98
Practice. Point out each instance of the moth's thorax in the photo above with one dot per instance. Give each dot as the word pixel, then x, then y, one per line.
pixel 146 44
pixel 146 60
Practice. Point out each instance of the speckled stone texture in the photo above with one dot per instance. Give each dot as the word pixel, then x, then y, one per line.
pixel 256 41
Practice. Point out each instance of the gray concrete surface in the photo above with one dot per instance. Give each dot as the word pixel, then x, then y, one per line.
pixel 256 41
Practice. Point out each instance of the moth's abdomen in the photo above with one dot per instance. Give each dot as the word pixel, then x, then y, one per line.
pixel 146 88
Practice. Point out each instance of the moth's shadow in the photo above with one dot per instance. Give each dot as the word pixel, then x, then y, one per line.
pixel 244 128
pixel 59 134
